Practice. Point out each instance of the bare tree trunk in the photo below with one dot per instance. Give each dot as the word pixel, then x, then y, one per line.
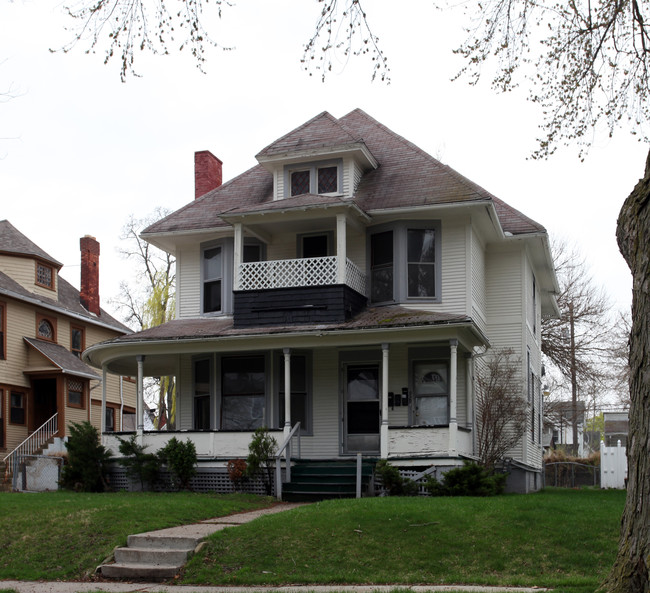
pixel 630 571
pixel 574 382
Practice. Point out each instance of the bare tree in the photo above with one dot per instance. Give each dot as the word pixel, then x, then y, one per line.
pixel 620 358
pixel 577 343
pixel 148 299
pixel 501 410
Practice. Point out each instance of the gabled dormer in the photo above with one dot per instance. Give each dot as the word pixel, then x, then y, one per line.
pixel 321 157
pixel 26 263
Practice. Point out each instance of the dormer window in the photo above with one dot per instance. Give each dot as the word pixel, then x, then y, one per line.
pixel 44 275
pixel 314 178
pixel 300 182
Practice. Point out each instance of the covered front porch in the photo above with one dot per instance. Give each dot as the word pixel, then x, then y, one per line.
pixel 392 384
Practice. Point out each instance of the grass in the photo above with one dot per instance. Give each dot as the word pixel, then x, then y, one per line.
pixel 562 539
pixel 66 535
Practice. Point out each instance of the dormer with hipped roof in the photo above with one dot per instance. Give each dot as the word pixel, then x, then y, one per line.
pixel 322 157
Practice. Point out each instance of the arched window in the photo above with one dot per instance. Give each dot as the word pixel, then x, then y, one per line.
pixel 45 330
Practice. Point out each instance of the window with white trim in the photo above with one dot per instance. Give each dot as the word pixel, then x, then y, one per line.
pixel 212 279
pixel 324 178
pixel 404 262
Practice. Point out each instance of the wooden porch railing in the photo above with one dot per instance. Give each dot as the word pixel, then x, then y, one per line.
pixel 286 449
pixel 32 443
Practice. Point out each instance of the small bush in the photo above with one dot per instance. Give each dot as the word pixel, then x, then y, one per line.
pixel 139 465
pixel 470 480
pixel 393 482
pixel 237 473
pixel 180 459
pixel 88 459
pixel 261 451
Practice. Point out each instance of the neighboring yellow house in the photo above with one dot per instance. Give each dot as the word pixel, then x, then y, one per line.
pixel 45 324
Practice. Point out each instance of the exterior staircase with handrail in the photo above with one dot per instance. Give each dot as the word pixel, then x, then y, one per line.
pixel 31 444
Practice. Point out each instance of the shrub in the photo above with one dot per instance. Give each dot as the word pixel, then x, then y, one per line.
pixel 393 482
pixel 138 464
pixel 237 473
pixel 86 468
pixel 261 451
pixel 180 459
pixel 470 480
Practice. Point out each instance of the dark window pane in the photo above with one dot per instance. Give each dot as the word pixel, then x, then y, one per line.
pixel 327 180
pixel 421 280
pixel 76 342
pixel 110 419
pixel 212 296
pixel 202 413
pixel 202 377
pixel 381 285
pixel 17 408
pixel 363 417
pixel 314 246
pixel 381 267
pixel 243 375
pixel 421 245
pixel 45 330
pixel 252 253
pixel 381 249
pixel 298 410
pixel 299 183
pixel 242 412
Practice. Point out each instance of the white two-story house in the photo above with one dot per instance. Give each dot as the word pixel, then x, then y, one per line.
pixel 355 272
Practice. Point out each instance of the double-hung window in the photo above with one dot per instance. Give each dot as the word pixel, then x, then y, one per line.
pixel 212 279
pixel 243 392
pixel 17 407
pixel 404 262
pixel 202 390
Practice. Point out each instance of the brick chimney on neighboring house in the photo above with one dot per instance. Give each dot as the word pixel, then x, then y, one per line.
pixel 207 172
pixel 89 293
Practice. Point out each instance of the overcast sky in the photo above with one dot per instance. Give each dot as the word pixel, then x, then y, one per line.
pixel 80 151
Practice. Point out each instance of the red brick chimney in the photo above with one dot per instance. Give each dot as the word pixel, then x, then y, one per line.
pixel 207 172
pixel 89 294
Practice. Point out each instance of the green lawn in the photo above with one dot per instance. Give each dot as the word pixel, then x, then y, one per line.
pixel 66 535
pixel 563 539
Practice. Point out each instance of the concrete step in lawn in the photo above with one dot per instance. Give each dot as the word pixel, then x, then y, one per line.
pixel 159 555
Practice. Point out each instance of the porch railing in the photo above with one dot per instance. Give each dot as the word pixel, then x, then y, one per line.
pixel 285 448
pixel 32 443
pixel 295 273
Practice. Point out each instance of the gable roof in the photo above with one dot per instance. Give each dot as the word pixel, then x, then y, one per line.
pixel 406 177
pixel 13 242
pixel 65 361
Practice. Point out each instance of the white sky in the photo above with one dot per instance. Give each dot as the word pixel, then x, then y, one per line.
pixel 80 151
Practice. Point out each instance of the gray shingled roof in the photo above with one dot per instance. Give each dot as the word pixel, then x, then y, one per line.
pixel 13 242
pixel 61 358
pixel 213 327
pixel 406 177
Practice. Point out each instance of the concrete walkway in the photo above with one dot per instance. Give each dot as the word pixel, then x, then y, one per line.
pixel 74 587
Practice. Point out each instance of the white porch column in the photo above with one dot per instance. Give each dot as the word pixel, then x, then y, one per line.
pixel 469 394
pixel 103 418
pixel 238 255
pixel 139 402
pixel 453 399
pixel 287 391
pixel 383 433
pixel 341 248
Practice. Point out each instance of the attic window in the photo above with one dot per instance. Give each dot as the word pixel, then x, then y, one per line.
pixel 322 177
pixel 328 180
pixel 300 182
pixel 44 275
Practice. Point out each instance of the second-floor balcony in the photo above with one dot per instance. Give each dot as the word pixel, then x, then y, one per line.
pixel 300 273
pixel 298 291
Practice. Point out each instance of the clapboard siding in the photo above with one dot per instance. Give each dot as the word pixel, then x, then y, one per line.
pixel 23 271
pixel 477 279
pixel 188 292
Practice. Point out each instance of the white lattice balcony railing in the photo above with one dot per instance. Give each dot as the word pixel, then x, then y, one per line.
pixel 294 273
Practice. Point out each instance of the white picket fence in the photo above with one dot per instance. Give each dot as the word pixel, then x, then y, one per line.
pixel 613 466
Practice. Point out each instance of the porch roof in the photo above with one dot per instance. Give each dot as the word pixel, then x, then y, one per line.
pixel 62 360
pixel 192 335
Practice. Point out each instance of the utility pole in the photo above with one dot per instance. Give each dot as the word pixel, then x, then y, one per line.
pixel 574 380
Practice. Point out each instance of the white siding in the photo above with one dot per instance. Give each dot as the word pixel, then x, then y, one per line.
pixel 188 291
pixel 477 279
pixel 184 394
